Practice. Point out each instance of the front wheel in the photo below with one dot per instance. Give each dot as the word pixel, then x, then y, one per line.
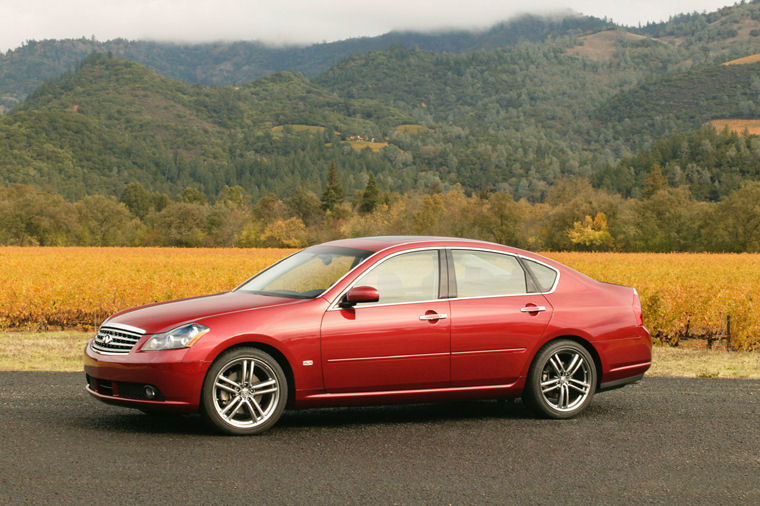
pixel 245 392
pixel 561 381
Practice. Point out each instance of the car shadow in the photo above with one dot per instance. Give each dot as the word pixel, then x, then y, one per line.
pixel 404 414
pixel 133 421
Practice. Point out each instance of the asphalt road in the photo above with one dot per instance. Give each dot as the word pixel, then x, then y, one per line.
pixel 662 441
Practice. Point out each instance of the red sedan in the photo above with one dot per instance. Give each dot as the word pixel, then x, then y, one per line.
pixel 376 320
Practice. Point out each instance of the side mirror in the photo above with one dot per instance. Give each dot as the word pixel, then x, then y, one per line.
pixel 360 294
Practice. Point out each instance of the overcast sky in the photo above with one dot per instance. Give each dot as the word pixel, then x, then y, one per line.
pixel 293 21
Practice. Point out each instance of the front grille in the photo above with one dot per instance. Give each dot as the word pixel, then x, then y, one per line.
pixel 113 341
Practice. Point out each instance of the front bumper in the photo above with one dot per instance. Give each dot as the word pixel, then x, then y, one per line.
pixel 121 379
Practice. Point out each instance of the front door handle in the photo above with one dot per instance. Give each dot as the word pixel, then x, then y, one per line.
pixel 533 309
pixel 434 316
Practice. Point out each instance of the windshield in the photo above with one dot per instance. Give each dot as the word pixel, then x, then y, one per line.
pixel 306 274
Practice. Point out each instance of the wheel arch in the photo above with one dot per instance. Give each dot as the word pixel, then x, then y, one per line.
pixel 583 342
pixel 278 355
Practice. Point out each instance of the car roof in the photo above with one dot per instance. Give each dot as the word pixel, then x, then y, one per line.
pixel 378 243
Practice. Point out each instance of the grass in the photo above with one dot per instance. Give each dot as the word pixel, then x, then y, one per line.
pixel 374 146
pixel 601 45
pixel 42 351
pixel 752 126
pixel 695 363
pixel 410 128
pixel 62 351
pixel 745 60
pixel 316 129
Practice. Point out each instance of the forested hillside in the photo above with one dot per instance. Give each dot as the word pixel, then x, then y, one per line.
pixel 234 63
pixel 542 134
pixel 686 100
pixel 113 121
pixel 506 119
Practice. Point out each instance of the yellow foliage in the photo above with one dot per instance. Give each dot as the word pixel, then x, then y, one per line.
pixel 290 233
pixel 79 287
pixel 683 294
pixel 591 233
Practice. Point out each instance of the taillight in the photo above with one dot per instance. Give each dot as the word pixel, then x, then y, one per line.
pixel 637 308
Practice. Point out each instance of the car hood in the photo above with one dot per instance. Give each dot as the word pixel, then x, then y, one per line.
pixel 164 316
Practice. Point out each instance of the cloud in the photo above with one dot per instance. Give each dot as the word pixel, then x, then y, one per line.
pixel 294 21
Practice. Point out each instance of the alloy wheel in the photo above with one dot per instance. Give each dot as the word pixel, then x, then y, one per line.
pixel 566 379
pixel 246 392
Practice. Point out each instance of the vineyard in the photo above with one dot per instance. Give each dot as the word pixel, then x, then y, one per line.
pixel 79 287
pixel 683 295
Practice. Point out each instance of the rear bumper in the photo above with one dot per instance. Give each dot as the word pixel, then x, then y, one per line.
pixel 619 383
pixel 122 379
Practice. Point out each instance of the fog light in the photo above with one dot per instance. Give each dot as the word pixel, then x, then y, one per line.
pixel 150 392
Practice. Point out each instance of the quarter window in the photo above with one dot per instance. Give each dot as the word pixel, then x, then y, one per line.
pixel 408 277
pixel 544 275
pixel 482 274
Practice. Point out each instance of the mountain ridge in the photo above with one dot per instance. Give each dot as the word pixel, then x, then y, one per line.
pixel 515 118
pixel 233 63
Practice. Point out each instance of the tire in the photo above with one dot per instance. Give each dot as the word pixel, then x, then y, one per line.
pixel 245 392
pixel 561 380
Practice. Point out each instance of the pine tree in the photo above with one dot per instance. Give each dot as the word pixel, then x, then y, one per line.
pixel 370 197
pixel 333 194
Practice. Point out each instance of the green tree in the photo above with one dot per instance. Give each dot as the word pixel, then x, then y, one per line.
pixel 234 196
pixel 226 223
pixel 655 181
pixel 192 195
pixel 31 217
pixel 501 220
pixel 270 209
pixel 333 194
pixel 160 201
pixel 105 222
pixel 180 224
pixel 370 196
pixel 305 205
pixel 735 226
pixel 669 220
pixel 137 199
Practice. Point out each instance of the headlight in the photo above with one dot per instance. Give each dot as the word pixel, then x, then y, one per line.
pixel 181 337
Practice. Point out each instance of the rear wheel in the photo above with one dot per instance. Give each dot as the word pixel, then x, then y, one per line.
pixel 245 391
pixel 561 381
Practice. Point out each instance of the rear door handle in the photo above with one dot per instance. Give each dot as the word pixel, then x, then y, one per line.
pixel 439 316
pixel 533 309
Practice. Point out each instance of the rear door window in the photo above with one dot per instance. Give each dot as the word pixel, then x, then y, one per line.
pixel 484 273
